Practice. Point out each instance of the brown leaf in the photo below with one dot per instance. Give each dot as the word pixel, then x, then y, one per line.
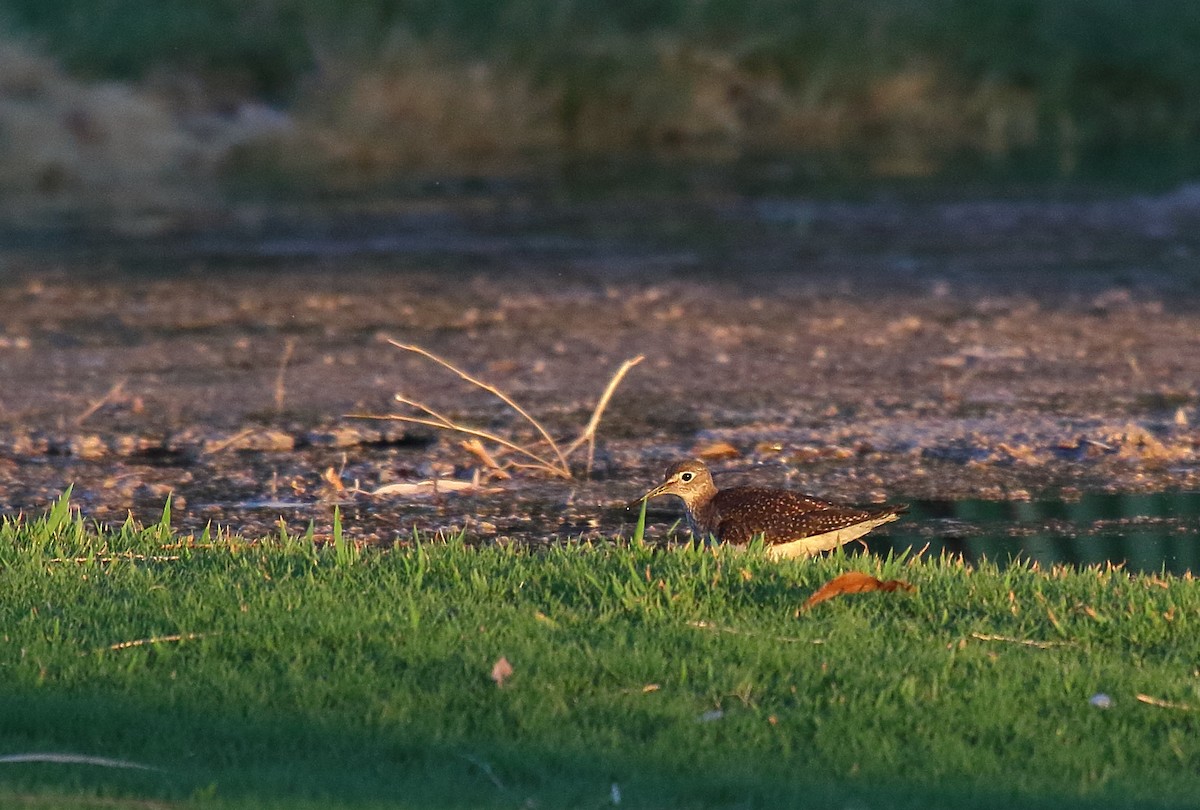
pixel 476 448
pixel 853 582
pixel 333 479
pixel 501 671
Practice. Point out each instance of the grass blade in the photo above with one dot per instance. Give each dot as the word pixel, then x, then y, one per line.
pixel 639 530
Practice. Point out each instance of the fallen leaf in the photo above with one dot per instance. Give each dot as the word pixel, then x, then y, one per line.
pixel 476 448
pixel 501 671
pixel 853 582
pixel 333 479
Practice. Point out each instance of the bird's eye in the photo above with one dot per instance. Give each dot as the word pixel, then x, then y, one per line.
pixel 687 476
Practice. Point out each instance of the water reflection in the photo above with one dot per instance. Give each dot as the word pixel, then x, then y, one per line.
pixel 1146 532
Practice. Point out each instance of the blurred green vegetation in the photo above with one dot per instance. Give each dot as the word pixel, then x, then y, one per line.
pixel 1099 69
pixel 326 93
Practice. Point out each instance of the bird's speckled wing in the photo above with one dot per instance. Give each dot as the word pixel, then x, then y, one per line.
pixel 743 513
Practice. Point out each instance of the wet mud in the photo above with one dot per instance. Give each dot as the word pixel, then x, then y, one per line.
pixel 886 349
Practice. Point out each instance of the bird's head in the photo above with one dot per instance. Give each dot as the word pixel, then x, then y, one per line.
pixel 690 480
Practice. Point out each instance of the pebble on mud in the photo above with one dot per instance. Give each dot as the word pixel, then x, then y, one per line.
pixel 266 440
pixel 154 491
pixel 129 445
pixel 340 436
pixel 87 447
pixel 29 444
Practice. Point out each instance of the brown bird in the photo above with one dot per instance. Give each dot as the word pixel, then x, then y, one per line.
pixel 791 524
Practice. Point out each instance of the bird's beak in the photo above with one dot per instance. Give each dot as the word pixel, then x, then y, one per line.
pixel 654 493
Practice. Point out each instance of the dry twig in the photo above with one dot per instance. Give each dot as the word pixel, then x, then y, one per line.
pixel 1027 642
pixel 1163 704
pixel 280 391
pixel 445 423
pixel 491 389
pixel 75 759
pixel 229 442
pixel 129 556
pixel 141 642
pixel 553 460
pixel 717 628
pixel 113 393
pixel 589 433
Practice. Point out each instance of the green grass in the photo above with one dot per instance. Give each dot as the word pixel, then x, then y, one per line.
pixel 318 676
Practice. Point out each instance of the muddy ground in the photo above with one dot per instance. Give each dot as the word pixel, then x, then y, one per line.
pixel 887 348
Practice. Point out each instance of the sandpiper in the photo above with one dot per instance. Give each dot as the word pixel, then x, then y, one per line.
pixel 790 523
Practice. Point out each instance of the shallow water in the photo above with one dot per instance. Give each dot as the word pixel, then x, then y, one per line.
pixel 1157 532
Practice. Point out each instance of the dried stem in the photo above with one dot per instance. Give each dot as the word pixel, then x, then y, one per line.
pixel 558 465
pixel 141 642
pixel 542 463
pixel 449 424
pixel 280 390
pixel 494 391
pixel 75 759
pixel 446 421
pixel 1163 704
pixel 113 393
pixel 589 432
pixel 229 442
pixel 1025 642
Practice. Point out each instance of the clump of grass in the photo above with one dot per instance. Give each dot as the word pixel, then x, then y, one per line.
pixel 345 551
pixel 547 455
